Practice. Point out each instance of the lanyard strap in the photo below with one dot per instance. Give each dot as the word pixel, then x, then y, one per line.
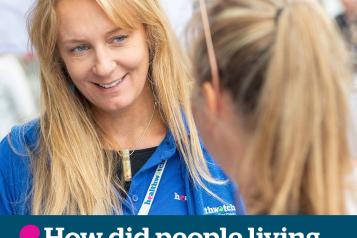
pixel 150 194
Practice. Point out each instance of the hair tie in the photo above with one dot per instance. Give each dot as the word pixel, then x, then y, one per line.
pixel 278 14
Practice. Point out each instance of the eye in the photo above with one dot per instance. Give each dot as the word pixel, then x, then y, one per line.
pixel 119 39
pixel 79 49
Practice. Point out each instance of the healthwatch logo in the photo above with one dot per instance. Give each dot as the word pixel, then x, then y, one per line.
pixel 227 209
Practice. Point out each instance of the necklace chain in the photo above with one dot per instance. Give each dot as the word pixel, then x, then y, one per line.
pixel 126 169
pixel 145 130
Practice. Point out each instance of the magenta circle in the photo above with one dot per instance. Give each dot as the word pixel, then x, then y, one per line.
pixel 30 231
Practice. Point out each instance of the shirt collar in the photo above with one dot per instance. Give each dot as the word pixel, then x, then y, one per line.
pixel 164 151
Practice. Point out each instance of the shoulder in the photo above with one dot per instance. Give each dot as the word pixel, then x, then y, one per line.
pixel 21 140
pixel 17 147
pixel 15 167
pixel 222 197
pixel 225 198
pixel 215 170
pixel 15 176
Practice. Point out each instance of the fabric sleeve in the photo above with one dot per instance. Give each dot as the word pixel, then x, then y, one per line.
pixel 5 178
pixel 15 179
pixel 225 200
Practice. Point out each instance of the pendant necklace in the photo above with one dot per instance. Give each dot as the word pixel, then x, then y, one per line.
pixel 126 164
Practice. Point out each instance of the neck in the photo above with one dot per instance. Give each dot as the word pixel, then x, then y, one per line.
pixel 232 130
pixel 138 126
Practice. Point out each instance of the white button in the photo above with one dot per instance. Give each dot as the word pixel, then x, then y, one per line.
pixel 134 198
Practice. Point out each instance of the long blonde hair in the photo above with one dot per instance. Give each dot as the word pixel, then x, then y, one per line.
pixel 287 70
pixel 72 173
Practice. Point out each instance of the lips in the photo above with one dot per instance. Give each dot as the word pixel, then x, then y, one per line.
pixel 111 84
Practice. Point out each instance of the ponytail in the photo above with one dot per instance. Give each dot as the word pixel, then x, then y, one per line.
pixel 301 115
pixel 287 70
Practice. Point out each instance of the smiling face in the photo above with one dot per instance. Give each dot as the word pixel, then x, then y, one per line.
pixel 108 65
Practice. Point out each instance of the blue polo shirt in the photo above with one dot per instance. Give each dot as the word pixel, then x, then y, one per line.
pixel 176 193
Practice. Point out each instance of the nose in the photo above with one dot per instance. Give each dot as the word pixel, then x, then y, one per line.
pixel 104 63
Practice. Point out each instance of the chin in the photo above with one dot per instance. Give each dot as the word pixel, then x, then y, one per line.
pixel 111 107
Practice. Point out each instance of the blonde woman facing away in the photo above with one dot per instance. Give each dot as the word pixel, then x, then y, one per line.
pixel 116 135
pixel 275 109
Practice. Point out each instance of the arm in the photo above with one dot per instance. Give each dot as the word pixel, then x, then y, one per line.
pixel 5 175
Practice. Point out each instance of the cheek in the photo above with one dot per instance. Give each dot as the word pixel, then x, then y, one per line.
pixel 74 67
pixel 135 59
pixel 78 71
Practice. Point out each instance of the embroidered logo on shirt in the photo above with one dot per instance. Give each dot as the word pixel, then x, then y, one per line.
pixel 227 209
pixel 181 198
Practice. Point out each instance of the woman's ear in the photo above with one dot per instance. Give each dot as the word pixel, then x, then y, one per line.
pixel 206 108
pixel 211 98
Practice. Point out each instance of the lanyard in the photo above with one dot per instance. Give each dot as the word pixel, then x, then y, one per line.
pixel 154 185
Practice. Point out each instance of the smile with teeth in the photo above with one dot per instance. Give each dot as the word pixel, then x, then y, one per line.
pixel 111 84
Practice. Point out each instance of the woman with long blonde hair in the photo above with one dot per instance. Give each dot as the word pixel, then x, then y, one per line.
pixel 273 109
pixel 116 134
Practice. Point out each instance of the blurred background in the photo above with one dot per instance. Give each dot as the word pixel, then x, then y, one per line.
pixel 19 83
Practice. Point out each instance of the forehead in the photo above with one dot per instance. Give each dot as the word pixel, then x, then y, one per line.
pixel 84 17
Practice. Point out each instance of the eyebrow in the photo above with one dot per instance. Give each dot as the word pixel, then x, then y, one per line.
pixel 74 41
pixel 113 31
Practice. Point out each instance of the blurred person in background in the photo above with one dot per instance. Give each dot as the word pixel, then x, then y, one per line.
pixel 116 132
pixel 271 102
pixel 17 100
pixel 347 22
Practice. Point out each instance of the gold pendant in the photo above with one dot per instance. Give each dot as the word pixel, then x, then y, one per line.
pixel 126 165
